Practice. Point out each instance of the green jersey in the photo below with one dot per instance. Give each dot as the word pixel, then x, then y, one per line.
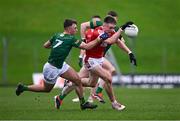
pixel 99 23
pixel 61 45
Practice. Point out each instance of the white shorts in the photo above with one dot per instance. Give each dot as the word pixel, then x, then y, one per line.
pixel 51 73
pixel 92 62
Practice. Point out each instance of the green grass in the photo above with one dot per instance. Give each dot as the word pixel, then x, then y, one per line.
pixel 142 104
pixel 27 24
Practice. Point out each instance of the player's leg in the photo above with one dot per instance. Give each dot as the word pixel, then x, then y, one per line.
pixel 91 81
pixel 100 84
pixel 115 105
pixel 50 75
pixel 97 90
pixel 108 66
pixel 83 73
pixel 71 74
pixel 46 87
pixel 106 76
pixel 69 86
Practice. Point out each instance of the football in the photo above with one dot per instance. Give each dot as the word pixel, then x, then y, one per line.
pixel 131 31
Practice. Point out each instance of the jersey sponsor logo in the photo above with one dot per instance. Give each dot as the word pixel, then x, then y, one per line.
pixel 59 42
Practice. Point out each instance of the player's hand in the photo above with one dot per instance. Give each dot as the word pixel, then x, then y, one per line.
pixel 80 61
pixel 104 36
pixel 127 24
pixel 132 59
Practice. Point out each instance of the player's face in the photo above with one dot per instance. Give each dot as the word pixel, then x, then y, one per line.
pixel 108 27
pixel 73 29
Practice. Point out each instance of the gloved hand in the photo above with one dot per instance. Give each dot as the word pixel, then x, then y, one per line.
pixel 80 61
pixel 127 24
pixel 132 59
pixel 104 36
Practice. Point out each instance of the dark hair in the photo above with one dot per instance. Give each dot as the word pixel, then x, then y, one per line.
pixel 69 22
pixel 112 13
pixel 96 16
pixel 109 19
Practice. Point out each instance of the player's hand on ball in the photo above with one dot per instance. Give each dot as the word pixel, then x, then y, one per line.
pixel 104 36
pixel 132 59
pixel 127 24
pixel 80 61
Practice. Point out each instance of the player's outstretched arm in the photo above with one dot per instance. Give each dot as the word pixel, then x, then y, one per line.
pixel 93 43
pixel 90 45
pixel 123 46
pixel 115 37
pixel 47 44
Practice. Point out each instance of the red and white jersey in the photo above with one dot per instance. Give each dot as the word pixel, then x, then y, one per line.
pixel 98 50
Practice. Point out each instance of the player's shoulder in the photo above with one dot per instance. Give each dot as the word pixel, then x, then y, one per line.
pixel 58 35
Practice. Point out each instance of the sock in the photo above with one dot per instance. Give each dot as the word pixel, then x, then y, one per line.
pixel 62 96
pixel 82 100
pixel 25 88
pixel 101 83
pixel 99 90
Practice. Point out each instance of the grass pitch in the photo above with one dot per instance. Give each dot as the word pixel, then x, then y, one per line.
pixel 142 104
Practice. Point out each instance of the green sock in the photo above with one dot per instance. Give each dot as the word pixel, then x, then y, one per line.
pixel 25 88
pixel 99 90
pixel 62 96
pixel 82 100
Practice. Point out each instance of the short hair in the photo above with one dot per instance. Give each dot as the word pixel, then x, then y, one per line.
pixel 112 13
pixel 96 16
pixel 69 22
pixel 109 19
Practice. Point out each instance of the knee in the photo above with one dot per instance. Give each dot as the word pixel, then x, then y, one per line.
pixel 113 71
pixel 108 79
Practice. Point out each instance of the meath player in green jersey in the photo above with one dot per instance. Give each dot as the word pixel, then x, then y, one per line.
pixel 60 45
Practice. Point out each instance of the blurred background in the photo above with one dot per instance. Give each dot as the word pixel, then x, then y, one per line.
pixel 26 24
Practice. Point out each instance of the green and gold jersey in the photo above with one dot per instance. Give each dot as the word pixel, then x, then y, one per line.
pixel 61 45
pixel 94 24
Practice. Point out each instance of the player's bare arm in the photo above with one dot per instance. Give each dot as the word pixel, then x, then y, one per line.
pixel 47 44
pixel 84 26
pixel 90 45
pixel 113 39
pixel 121 44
